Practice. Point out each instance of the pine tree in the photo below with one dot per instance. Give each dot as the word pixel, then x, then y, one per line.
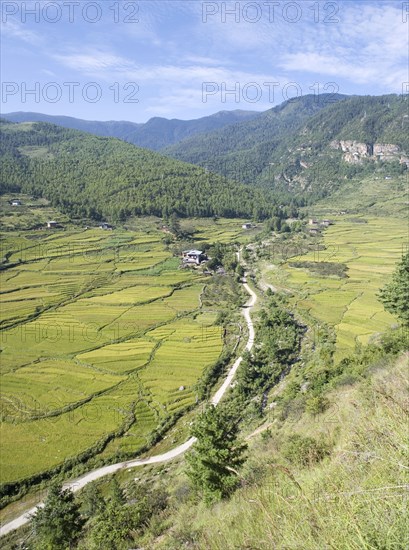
pixel 213 462
pixel 58 524
pixel 118 526
pixel 92 501
pixel 117 493
pixel 395 295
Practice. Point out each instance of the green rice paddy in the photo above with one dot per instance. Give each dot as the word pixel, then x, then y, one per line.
pixel 102 333
pixel 370 251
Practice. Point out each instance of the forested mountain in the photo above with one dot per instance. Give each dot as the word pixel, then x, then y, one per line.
pixel 155 134
pixel 351 139
pixel 299 151
pixel 243 150
pixel 306 144
pixel 97 177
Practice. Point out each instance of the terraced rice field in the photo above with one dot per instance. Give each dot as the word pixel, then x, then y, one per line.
pixel 102 333
pixel 370 251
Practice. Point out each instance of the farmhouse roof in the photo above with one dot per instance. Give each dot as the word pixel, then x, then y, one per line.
pixel 195 252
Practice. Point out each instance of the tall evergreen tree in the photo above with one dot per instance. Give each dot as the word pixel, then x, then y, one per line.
pixel 92 501
pixel 58 524
pixel 395 295
pixel 213 462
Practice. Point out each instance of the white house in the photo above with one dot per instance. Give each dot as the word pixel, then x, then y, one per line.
pixel 246 225
pixel 194 257
pixel 106 226
pixel 16 202
pixel 51 224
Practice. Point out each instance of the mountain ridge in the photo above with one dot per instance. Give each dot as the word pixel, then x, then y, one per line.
pixel 156 133
pixel 301 151
pixel 299 144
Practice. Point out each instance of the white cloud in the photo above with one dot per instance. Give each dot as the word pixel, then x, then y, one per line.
pixel 107 65
pixel 356 70
pixel 92 62
pixel 16 30
pixel 368 47
pixel 48 72
pixel 171 52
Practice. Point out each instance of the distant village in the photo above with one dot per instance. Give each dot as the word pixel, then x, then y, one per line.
pixel 315 226
pixel 195 258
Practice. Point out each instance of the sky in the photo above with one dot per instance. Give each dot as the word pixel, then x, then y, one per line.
pixel 133 60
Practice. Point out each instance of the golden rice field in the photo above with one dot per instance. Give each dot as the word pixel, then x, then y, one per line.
pixel 101 330
pixel 370 251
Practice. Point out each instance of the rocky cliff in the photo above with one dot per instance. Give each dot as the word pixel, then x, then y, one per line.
pixel 354 152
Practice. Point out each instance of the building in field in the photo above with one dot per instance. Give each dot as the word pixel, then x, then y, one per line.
pixel 313 223
pixel 15 202
pixel 194 257
pixel 52 224
pixel 106 226
pixel 246 225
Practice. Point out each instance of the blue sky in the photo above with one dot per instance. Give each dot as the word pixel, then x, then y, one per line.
pixel 132 60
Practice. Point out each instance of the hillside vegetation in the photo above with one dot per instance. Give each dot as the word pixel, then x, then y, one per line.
pixel 119 350
pixel 94 177
pixel 337 479
pixel 290 147
pixel 242 151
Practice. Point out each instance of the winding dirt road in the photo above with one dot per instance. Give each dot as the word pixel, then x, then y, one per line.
pixel 80 482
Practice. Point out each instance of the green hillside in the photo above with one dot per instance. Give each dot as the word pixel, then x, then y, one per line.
pixel 295 146
pixel 314 160
pixel 242 151
pixel 336 479
pixel 105 178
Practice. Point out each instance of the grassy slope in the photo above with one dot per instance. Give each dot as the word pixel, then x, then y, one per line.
pixel 374 195
pixel 354 499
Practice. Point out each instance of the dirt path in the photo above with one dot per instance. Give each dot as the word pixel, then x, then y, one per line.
pixel 79 483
